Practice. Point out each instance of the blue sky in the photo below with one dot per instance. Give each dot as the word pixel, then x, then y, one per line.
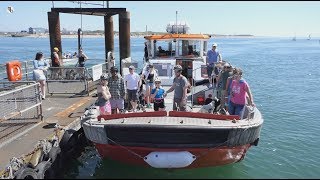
pixel 259 18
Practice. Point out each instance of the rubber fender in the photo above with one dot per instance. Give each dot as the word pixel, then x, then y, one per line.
pixel 64 143
pixel 53 153
pixel 26 173
pixel 44 170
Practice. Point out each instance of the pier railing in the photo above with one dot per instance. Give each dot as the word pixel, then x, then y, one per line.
pixel 73 80
pixel 20 107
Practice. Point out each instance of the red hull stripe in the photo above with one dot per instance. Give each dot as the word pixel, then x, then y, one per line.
pixel 129 115
pixel 171 114
pixel 203 115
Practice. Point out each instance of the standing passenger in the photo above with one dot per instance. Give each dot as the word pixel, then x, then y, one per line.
pixel 223 76
pixel 55 63
pixel 117 91
pixel 132 82
pixel 213 57
pixel 104 95
pixel 157 94
pixel 239 90
pixel 149 77
pixel 38 73
pixel 180 87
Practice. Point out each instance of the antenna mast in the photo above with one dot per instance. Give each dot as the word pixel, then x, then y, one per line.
pixel 177 22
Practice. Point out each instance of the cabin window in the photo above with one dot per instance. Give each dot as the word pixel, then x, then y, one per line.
pixel 204 73
pixel 164 48
pixel 194 48
pixel 164 69
pixel 205 46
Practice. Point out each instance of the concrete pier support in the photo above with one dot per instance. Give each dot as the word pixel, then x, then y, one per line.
pixel 54 31
pixel 108 34
pixel 124 36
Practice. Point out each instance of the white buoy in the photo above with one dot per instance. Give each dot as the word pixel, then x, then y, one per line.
pixel 10 9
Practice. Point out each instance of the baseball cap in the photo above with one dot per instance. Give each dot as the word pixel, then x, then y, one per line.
pixel 214 44
pixel 56 49
pixel 132 67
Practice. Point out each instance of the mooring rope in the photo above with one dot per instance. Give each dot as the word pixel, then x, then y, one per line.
pixel 126 148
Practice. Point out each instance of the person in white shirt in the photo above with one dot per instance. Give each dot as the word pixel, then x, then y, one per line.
pixel 132 82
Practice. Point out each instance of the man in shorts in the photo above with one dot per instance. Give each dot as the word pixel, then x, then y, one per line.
pixel 133 82
pixel 117 91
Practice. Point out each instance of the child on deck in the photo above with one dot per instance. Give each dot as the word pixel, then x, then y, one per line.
pixel 157 95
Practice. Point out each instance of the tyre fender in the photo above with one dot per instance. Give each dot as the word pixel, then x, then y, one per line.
pixel 44 170
pixel 64 143
pixel 53 153
pixel 26 173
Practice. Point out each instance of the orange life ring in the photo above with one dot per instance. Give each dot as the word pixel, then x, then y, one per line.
pixel 14 71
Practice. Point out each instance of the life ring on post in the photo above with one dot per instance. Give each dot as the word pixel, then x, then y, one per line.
pixel 14 70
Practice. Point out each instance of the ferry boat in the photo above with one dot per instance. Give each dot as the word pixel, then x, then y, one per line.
pixel 173 139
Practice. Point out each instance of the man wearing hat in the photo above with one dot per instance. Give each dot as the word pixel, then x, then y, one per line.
pixel 117 91
pixel 55 62
pixel 132 82
pixel 180 87
pixel 213 57
pixel 223 77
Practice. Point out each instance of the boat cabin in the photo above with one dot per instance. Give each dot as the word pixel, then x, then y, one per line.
pixel 188 50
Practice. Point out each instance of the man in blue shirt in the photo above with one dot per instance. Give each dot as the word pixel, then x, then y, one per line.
pixel 213 56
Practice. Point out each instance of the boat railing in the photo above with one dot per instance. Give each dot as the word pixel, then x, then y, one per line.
pixel 194 74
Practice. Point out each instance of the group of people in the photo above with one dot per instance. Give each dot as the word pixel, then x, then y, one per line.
pixel 69 55
pixel 114 90
pixel 232 90
pixel 41 66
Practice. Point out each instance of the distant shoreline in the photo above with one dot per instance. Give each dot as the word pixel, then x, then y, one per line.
pixel 102 35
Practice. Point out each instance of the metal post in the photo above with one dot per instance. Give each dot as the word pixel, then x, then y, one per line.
pixel 79 43
pixel 124 36
pixel 109 36
pixel 54 31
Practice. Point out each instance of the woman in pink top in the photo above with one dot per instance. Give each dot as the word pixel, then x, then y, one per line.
pixel 239 91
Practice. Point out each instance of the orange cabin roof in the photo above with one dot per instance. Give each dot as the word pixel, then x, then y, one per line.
pixel 177 36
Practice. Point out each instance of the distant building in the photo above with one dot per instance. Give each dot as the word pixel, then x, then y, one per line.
pixel 37 30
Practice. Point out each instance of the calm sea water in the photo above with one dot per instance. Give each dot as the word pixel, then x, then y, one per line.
pixel 284 78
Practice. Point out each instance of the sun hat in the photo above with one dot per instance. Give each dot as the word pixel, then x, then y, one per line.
pixel 157 80
pixel 227 65
pixel 104 76
pixel 114 69
pixel 178 67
